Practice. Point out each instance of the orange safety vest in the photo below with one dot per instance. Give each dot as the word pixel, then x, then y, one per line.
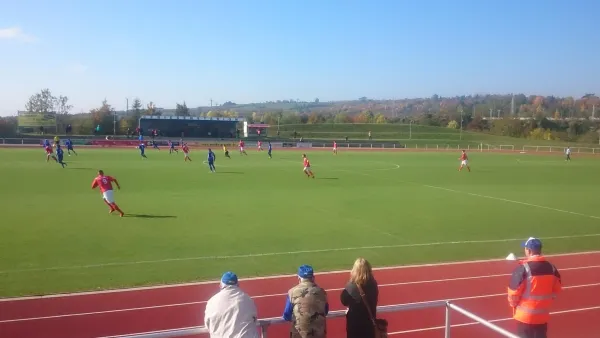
pixel 533 298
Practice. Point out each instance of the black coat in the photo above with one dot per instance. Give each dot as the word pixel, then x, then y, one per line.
pixel 358 322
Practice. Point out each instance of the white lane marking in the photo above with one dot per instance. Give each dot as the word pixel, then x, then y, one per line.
pixel 284 253
pixel 283 294
pixel 491 321
pixel 396 267
pixel 414 330
pixel 511 201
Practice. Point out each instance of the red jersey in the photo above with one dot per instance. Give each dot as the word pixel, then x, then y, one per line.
pixel 334 144
pixel 306 162
pixel 185 149
pixel 259 143
pixel 105 183
pixel 241 143
pixel 463 157
pixel 48 149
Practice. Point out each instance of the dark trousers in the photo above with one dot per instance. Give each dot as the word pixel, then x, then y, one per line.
pixel 532 330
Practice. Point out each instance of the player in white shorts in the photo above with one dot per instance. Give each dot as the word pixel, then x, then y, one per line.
pixel 334 147
pixel 464 161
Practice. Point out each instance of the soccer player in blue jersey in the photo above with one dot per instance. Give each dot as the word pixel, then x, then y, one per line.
pixel 172 147
pixel 142 148
pixel 69 145
pixel 60 155
pixel 211 161
pixel 270 149
pixel 46 143
pixel 155 145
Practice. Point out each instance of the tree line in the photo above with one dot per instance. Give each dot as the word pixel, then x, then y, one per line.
pixel 545 117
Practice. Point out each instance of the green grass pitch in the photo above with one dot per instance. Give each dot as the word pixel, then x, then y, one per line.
pixel 259 216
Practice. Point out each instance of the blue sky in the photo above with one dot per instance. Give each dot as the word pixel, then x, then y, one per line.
pixel 258 50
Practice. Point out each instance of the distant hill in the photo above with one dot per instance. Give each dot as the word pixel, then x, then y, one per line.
pixel 484 105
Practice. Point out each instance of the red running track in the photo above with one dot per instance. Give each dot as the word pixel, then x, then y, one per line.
pixel 478 286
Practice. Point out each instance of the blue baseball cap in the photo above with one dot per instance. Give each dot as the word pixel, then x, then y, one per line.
pixel 306 271
pixel 532 243
pixel 229 278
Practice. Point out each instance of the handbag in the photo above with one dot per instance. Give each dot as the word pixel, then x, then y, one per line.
pixel 379 325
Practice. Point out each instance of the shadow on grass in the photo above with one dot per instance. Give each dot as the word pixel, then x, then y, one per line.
pixel 78 168
pixel 148 216
pixel 327 178
pixel 229 172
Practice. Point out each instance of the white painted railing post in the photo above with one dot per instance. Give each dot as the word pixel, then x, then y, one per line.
pixel 448 325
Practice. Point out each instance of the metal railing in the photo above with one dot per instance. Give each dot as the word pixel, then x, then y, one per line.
pixel 362 145
pixel 264 324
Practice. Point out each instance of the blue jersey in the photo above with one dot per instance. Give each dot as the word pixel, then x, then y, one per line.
pixel 172 145
pixel 211 156
pixel 59 152
pixel 142 147
pixel 69 144
pixel 46 143
pixel 270 147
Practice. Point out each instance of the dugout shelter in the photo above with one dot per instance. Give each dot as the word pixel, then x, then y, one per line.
pixel 191 126
pixel 256 129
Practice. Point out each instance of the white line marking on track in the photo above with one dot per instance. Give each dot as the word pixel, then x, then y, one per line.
pixel 283 294
pixel 511 201
pixel 284 253
pixel 400 332
pixel 396 267
pixel 491 321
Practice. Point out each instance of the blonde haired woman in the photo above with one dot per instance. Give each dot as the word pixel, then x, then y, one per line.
pixel 358 321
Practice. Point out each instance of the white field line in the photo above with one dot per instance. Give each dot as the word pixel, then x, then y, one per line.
pixel 328 290
pixel 482 196
pixel 555 313
pixel 397 267
pixel 511 201
pixel 285 253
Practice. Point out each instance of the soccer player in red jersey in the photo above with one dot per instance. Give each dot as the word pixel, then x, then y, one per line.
pixel 259 144
pixel 49 153
pixel 186 152
pixel 105 184
pixel 307 169
pixel 464 161
pixel 334 148
pixel 242 151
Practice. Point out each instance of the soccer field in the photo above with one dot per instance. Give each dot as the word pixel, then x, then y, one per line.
pixel 259 216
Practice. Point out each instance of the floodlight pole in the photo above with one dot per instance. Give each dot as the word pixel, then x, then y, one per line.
pixel 410 129
pixel 461 123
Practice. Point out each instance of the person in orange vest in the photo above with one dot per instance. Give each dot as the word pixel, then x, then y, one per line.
pixel 532 289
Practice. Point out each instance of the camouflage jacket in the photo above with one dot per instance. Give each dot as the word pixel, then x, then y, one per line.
pixel 310 308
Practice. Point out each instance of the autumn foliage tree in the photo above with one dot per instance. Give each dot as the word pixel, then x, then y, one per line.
pixel 103 116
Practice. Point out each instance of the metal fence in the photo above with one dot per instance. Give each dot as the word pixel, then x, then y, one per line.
pixel 264 324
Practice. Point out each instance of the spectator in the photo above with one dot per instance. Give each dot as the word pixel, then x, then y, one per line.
pixel 358 319
pixel 306 307
pixel 533 286
pixel 231 313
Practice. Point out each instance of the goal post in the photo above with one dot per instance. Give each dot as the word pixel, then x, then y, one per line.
pixel 509 147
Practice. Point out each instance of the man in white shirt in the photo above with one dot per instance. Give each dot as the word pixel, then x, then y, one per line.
pixel 568 153
pixel 231 313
